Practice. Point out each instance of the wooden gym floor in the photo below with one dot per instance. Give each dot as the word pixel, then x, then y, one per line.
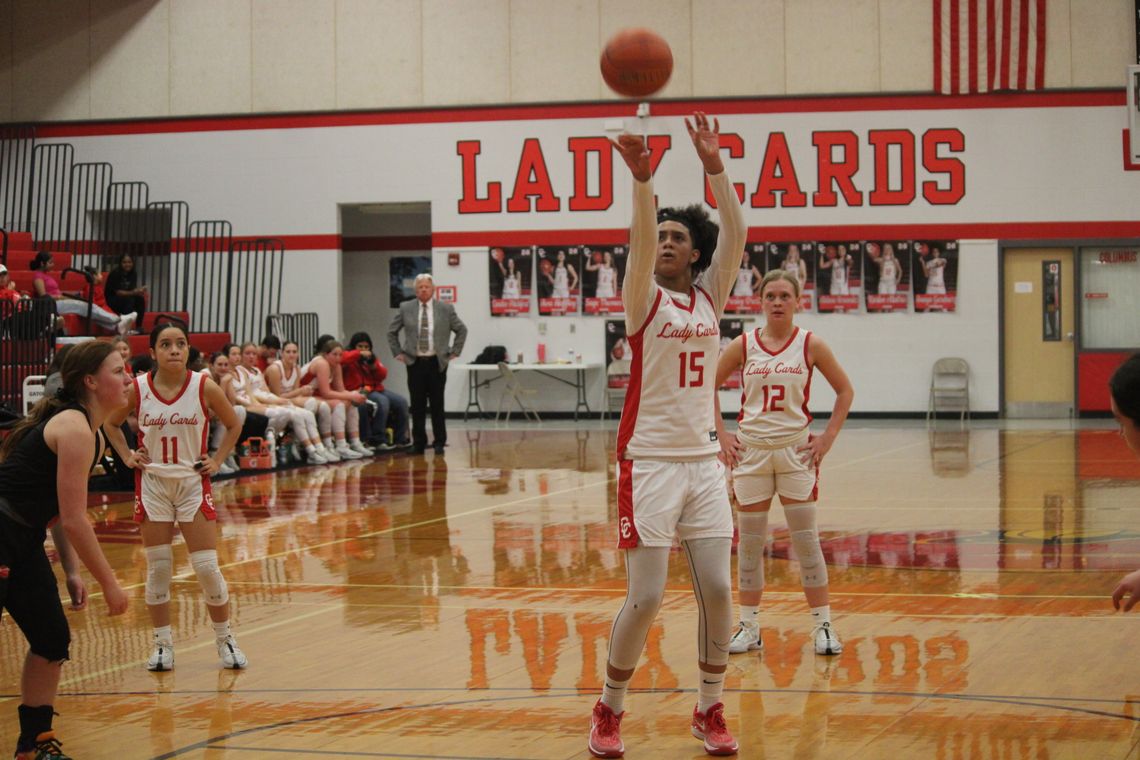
pixel 458 606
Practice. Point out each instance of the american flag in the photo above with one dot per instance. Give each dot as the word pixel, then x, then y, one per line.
pixel 989 45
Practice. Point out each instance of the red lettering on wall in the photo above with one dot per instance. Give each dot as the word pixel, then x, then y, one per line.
pixel 471 203
pixel 953 168
pixel 902 142
pixel 532 180
pixel 582 147
pixel 838 172
pixel 778 175
pixel 735 145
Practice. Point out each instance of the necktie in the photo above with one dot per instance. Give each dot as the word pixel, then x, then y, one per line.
pixel 423 345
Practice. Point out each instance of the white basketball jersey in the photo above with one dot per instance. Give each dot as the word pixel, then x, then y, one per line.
pixel 743 285
pixel 839 278
pixel 777 386
pixel 668 412
pixel 936 283
pixel 561 282
pixel 173 430
pixel 888 272
pixel 511 286
pixel 607 277
pixel 288 382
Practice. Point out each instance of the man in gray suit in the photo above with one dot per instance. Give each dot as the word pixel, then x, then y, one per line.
pixel 426 350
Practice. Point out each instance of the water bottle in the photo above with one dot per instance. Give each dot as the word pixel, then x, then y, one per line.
pixel 271 446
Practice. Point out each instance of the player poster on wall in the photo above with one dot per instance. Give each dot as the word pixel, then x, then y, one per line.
pixel 935 268
pixel 601 281
pixel 838 277
pixel 619 354
pixel 510 281
pixel 731 329
pixel 745 298
pixel 887 263
pixel 799 259
pixel 559 280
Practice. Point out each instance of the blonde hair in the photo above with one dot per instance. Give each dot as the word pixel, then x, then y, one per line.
pixel 780 274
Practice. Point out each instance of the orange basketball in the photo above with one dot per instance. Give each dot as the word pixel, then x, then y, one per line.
pixel 546 265
pixel 636 63
pixel 497 254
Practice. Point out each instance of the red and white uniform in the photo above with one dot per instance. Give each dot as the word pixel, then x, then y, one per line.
pixel 774 420
pixel 670 482
pixel 174 432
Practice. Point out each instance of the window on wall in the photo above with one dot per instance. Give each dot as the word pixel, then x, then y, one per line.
pixel 1110 298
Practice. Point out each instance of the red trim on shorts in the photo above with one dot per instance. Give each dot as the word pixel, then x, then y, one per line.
pixel 157 395
pixel 781 349
pixel 815 485
pixel 633 391
pixel 140 510
pixel 627 527
pixel 207 507
pixel 807 385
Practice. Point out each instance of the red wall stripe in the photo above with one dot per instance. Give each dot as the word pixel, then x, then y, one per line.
pixel 1023 46
pixel 973 31
pixel 991 44
pixel 822 104
pixel 1006 13
pixel 1039 82
pixel 955 48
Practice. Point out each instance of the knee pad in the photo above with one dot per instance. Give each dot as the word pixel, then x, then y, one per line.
pixel 312 404
pixel 210 578
pixel 159 569
pixel 750 551
pixel 805 540
pixel 324 418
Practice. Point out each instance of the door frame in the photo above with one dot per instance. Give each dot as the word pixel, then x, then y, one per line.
pixel 1076 245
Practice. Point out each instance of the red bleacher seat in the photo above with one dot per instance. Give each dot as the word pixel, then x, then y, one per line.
pixel 150 317
pixel 20 240
pixel 21 258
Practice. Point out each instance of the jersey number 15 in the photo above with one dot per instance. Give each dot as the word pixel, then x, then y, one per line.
pixel 692 372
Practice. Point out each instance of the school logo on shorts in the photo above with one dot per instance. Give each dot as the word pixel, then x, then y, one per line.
pixel 625 527
pixel 209 499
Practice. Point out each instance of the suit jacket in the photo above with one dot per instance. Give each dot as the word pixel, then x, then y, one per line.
pixel 445 322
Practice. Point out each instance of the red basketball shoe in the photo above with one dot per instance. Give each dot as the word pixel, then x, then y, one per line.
pixel 605 732
pixel 711 728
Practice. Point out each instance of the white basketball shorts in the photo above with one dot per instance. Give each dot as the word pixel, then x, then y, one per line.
pixel 658 501
pixel 172 499
pixel 762 473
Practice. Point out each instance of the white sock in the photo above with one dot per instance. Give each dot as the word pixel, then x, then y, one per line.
pixel 711 689
pixel 821 615
pixel 222 630
pixel 613 694
pixel 164 634
pixel 750 615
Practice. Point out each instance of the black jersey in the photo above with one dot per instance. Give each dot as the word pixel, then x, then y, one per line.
pixel 28 477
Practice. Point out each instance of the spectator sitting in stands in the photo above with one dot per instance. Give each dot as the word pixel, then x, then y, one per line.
pixel 121 290
pixel 267 352
pixel 124 348
pixel 46 285
pixel 8 290
pixel 53 381
pixel 194 361
pixel 363 372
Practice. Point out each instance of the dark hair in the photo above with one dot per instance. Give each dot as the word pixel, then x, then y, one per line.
pixel 60 355
pixel 702 230
pixel 40 261
pixel 321 341
pixel 193 358
pixel 141 364
pixel 217 355
pixel 81 360
pixel 271 341
pixel 1125 388
pixel 226 348
pixel 359 337
pixel 288 343
pixel 328 344
pixel 122 258
pixel 174 323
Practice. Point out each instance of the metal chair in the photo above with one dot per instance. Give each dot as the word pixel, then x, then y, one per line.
pixel 516 392
pixel 949 388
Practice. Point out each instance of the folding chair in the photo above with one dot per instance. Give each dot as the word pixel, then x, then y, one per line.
pixel 515 392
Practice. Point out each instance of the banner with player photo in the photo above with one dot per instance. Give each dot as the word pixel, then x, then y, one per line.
pixel 745 298
pixel 731 329
pixel 935 269
pixel 604 268
pixel 510 281
pixel 799 259
pixel 559 280
pixel 838 277
pixel 887 264
pixel 619 354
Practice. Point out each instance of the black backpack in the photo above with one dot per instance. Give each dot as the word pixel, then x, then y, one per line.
pixel 491 355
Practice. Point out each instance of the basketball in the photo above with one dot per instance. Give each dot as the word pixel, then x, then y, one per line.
pixel 546 265
pixel 497 254
pixel 597 257
pixel 636 63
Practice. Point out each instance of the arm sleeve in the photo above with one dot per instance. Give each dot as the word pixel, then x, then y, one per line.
pixel 638 288
pixel 721 274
